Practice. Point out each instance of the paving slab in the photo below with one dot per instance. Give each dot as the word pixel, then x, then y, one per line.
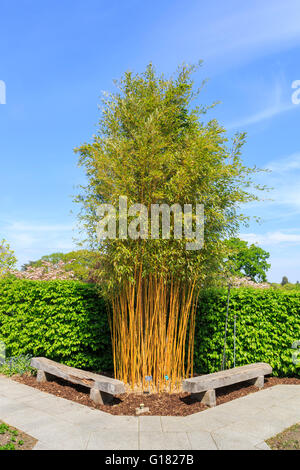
pixel 262 446
pixel 86 416
pixel 202 440
pixel 117 440
pixel 226 438
pixel 57 423
pixel 164 440
pixel 47 446
pixel 260 429
pixel 150 424
pixel 285 416
pixel 8 406
pixel 234 411
pixel 208 420
pixel 16 392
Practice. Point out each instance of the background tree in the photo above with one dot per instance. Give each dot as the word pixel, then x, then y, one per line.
pixel 81 262
pixel 7 258
pixel 153 147
pixel 248 260
pixel 284 281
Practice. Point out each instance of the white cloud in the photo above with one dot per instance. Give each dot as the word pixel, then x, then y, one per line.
pixel 290 163
pixel 283 200
pixel 284 178
pixel 227 33
pixel 30 241
pixel 276 102
pixel 258 26
pixel 263 115
pixel 284 266
pixel 25 227
pixel 272 238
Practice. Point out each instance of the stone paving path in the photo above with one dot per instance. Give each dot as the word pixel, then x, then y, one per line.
pixel 57 423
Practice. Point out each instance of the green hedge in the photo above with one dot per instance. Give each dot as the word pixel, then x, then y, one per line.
pixel 267 324
pixel 63 320
pixel 67 321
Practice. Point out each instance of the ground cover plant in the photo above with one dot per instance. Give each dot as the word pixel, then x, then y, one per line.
pixel 13 439
pixel 289 439
pixel 16 365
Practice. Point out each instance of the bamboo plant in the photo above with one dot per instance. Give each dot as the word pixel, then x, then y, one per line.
pixel 154 147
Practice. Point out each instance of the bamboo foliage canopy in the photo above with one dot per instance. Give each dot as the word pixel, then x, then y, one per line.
pixel 155 145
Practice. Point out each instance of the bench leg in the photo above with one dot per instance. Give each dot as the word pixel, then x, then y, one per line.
pixel 100 398
pixel 258 382
pixel 207 398
pixel 41 376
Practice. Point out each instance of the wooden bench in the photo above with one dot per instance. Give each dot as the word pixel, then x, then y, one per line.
pixel 102 389
pixel 203 387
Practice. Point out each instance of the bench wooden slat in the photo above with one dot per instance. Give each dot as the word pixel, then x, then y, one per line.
pixel 78 376
pixel 226 377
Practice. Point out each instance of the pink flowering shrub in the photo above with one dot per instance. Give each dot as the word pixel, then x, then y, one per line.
pixel 47 272
pixel 247 282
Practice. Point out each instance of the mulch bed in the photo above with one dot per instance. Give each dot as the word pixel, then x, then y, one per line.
pixel 164 404
pixel 13 439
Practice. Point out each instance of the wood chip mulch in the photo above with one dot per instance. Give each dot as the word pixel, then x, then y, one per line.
pixel 163 404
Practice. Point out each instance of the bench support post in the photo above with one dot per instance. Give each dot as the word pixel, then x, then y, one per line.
pixel 207 398
pixel 100 398
pixel 258 382
pixel 41 376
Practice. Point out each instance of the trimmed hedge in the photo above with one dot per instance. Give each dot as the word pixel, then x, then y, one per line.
pixel 267 324
pixel 63 320
pixel 67 321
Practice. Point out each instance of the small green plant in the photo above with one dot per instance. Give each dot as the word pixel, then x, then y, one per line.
pixel 14 439
pixel 16 365
pixel 8 446
pixel 3 428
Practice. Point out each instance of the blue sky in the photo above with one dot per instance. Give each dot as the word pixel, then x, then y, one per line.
pixel 56 59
